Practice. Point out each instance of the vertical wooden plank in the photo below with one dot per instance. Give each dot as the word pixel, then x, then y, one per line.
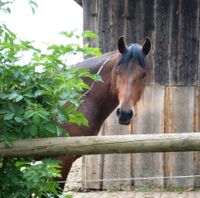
pixel 92 169
pixel 199 64
pixel 150 119
pixel 160 67
pixel 184 42
pixel 92 164
pixel 134 21
pixel 117 15
pixel 103 25
pixel 174 41
pixel 197 129
pixel 199 44
pixel 116 166
pixel 188 42
pixel 179 118
pixel 149 31
pixel 90 19
pixel 92 172
pixel 148 26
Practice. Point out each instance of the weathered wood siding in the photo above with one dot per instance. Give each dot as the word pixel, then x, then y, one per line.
pixel 169 109
pixel 180 112
pixel 171 101
pixel 172 25
pixel 150 119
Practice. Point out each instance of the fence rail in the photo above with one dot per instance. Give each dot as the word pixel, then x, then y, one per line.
pixel 103 145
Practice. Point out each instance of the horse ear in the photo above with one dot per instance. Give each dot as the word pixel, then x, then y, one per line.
pixel 121 45
pixel 146 46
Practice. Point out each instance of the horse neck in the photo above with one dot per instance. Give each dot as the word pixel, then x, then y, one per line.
pixel 99 102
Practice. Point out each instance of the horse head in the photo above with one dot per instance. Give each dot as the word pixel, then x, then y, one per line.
pixel 128 77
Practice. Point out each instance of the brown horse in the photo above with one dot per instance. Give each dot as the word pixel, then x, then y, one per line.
pixel 123 73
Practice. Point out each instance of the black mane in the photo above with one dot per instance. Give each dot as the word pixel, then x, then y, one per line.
pixel 135 53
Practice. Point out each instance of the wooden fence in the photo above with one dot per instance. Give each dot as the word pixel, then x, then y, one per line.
pixel 102 145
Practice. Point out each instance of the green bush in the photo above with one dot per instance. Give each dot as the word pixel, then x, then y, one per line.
pixel 20 178
pixel 32 95
pixel 30 101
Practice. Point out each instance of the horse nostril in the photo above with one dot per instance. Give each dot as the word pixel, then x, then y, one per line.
pixel 130 113
pixel 118 112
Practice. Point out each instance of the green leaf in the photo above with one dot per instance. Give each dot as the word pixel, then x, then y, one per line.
pixel 33 130
pixel 20 163
pixel 12 95
pixel 60 131
pixel 3 111
pixel 62 102
pixel 78 118
pixel 4 96
pixel 89 34
pixel 16 73
pixel 38 93
pixel 16 96
pixel 28 95
pixel 68 34
pixel 36 119
pixel 50 128
pixel 43 114
pixel 33 5
pixel 19 110
pixel 8 142
pixel 8 116
pixel 29 114
pixel 18 119
pixel 62 116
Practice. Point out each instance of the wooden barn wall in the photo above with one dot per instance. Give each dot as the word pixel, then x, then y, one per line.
pixel 171 101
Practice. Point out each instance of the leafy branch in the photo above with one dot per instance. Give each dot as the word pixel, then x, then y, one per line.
pixel 33 94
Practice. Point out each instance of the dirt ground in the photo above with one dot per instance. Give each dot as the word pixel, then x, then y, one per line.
pixel 74 188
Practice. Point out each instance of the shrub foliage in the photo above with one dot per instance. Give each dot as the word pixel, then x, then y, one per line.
pixel 33 92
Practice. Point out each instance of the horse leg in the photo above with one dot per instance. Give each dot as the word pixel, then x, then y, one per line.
pixel 66 164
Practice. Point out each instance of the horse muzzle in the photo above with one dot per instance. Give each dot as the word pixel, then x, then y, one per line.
pixel 124 116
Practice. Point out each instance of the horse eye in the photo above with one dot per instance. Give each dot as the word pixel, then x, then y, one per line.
pixel 143 76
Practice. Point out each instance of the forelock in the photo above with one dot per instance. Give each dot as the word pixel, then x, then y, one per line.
pixel 134 53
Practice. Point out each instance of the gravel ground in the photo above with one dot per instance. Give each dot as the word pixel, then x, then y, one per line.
pixel 120 194
pixel 75 175
pixel 73 188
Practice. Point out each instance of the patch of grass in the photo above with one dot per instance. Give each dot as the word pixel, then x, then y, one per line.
pixel 143 189
pixel 110 190
pixel 68 196
pixel 146 189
